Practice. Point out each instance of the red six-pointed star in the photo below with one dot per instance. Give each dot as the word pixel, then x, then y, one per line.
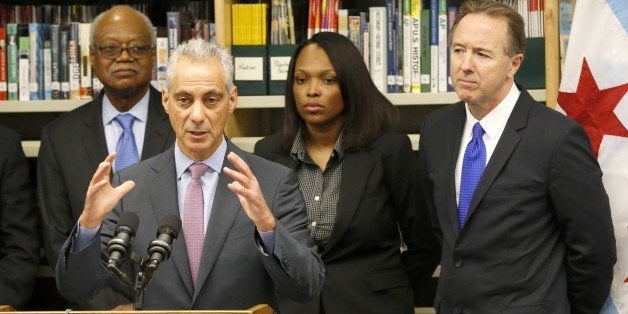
pixel 593 108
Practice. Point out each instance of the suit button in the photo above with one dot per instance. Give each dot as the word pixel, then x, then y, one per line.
pixel 458 263
pixel 458 310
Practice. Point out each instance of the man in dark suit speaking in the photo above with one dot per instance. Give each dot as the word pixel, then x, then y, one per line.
pixel 245 242
pixel 122 55
pixel 524 219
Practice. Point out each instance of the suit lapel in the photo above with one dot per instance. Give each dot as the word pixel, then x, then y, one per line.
pixel 93 134
pixel 164 201
pixel 224 211
pixel 505 146
pixel 356 168
pixel 453 139
pixel 158 129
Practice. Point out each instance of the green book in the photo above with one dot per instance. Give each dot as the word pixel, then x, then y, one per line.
pixel 12 61
pixel 425 51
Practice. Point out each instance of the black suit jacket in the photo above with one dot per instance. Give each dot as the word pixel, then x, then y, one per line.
pixel 538 236
pixel 71 148
pixel 364 269
pixel 19 237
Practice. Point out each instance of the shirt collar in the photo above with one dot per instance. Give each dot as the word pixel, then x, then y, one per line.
pixel 139 111
pixel 299 151
pixel 214 161
pixel 495 121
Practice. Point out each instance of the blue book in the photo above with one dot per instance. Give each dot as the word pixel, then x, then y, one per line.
pixel 36 35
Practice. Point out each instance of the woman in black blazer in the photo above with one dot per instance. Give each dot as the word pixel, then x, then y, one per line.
pixel 359 180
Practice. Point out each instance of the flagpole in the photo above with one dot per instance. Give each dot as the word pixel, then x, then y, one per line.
pixel 552 52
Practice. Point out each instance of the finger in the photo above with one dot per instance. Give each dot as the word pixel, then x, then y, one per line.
pixel 237 176
pixel 103 170
pixel 111 157
pixel 240 164
pixel 124 188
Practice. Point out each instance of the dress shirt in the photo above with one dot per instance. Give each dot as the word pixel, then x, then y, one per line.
pixel 113 130
pixel 320 189
pixel 493 124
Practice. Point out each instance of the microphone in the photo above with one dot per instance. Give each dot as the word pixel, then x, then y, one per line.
pixel 160 248
pixel 119 246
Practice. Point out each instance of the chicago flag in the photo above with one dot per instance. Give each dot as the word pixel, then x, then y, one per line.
pixel 593 91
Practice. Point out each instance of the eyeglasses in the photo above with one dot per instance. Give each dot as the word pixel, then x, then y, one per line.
pixel 113 51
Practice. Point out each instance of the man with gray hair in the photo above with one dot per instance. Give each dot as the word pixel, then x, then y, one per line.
pixel 244 236
pixel 122 55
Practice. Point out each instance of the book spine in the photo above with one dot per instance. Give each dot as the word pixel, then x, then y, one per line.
pixel 64 64
pixel 36 50
pixel 391 67
pixel 47 70
pixel 73 61
pixel 377 33
pixel 415 16
pixel 85 64
pixel 54 62
pixel 174 28
pixel 24 67
pixel 434 46
pixel 162 61
pixel 425 51
pixel 3 63
pixel 442 45
pixel 408 48
pixel 12 62
pixel 354 31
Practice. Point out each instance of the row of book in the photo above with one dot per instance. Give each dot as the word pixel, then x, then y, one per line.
pixel 404 43
pixel 42 61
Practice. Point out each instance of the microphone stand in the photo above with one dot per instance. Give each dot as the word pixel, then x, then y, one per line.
pixel 143 277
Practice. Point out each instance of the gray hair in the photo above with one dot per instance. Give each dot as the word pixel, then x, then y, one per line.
pixel 144 18
pixel 200 51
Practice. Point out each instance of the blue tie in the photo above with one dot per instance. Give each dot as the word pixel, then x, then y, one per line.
pixel 473 164
pixel 126 150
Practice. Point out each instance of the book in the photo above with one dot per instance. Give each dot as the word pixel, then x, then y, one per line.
pixel 12 61
pixel 174 28
pixel 36 61
pixel 434 46
pixel 73 61
pixel 85 88
pixel 391 66
pixel 3 63
pixel 24 63
pixel 408 47
pixel 55 83
pixel 47 70
pixel 415 17
pixel 425 54
pixel 442 45
pixel 377 41
pixel 64 64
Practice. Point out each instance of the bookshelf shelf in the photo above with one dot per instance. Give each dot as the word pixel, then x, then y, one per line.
pixel 246 102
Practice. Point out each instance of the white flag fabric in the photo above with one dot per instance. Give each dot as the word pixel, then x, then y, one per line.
pixel 593 91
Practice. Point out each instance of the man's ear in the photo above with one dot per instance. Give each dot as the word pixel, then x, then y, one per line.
pixel 515 64
pixel 164 99
pixel 233 99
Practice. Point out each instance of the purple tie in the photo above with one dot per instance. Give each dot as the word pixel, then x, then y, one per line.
pixel 193 220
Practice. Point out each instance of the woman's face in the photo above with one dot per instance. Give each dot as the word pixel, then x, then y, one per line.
pixel 316 89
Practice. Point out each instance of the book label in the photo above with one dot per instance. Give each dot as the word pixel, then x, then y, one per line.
pixel 249 69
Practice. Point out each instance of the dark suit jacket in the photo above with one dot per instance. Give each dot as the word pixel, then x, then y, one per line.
pixel 538 236
pixel 19 237
pixel 234 273
pixel 71 148
pixel 364 269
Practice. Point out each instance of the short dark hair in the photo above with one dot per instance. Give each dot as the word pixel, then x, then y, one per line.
pixel 516 42
pixel 367 111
